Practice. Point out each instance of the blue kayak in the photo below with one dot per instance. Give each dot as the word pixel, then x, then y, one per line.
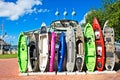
pixel 61 51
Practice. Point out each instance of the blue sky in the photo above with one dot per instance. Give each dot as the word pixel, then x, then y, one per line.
pixel 25 15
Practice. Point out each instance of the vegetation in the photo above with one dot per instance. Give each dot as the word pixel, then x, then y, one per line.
pixel 6 56
pixel 110 10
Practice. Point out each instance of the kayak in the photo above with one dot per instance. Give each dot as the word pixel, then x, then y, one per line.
pixel 109 46
pixel 90 48
pixel 99 40
pixel 61 51
pixel 22 53
pixel 52 54
pixel 33 53
pixel 79 49
pixel 71 49
pixel 43 48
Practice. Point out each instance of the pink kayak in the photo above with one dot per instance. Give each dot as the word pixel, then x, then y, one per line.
pixel 52 55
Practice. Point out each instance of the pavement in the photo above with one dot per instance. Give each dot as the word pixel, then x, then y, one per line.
pixel 9 71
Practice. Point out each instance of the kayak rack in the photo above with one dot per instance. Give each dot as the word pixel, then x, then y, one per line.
pixel 36 33
pixel 66 73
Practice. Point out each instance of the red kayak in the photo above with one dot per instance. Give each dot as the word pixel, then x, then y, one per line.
pixel 99 40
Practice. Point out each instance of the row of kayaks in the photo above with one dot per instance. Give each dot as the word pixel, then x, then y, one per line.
pixel 67 48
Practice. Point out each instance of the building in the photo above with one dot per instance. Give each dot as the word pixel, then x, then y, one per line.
pixel 4 47
pixel 13 49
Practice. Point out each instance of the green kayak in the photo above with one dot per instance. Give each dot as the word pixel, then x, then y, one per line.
pixel 22 53
pixel 90 49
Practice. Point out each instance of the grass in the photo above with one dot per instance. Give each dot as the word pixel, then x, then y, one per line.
pixel 7 56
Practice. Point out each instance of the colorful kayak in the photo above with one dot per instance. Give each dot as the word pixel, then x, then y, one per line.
pixel 99 40
pixel 22 53
pixel 71 49
pixel 79 49
pixel 90 48
pixel 109 46
pixel 61 51
pixel 43 47
pixel 33 53
pixel 43 28
pixel 52 55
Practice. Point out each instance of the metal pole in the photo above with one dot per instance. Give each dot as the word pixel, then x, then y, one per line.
pixel 65 13
pixel 2 27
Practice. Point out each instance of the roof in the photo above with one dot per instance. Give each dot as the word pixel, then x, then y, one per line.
pixel 3 42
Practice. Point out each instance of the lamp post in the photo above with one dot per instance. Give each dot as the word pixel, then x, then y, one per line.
pixel 73 13
pixel 57 13
pixel 65 13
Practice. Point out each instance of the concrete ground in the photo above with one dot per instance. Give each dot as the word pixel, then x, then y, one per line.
pixel 9 71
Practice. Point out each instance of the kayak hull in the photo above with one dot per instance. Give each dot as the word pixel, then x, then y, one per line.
pixel 71 49
pixel 22 53
pixel 79 49
pixel 52 55
pixel 61 51
pixel 99 40
pixel 90 48
pixel 109 47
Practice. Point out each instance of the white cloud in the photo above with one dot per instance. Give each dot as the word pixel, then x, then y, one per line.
pixel 14 10
pixel 46 10
pixel 40 10
pixel 31 11
pixel 43 10
pixel 84 18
